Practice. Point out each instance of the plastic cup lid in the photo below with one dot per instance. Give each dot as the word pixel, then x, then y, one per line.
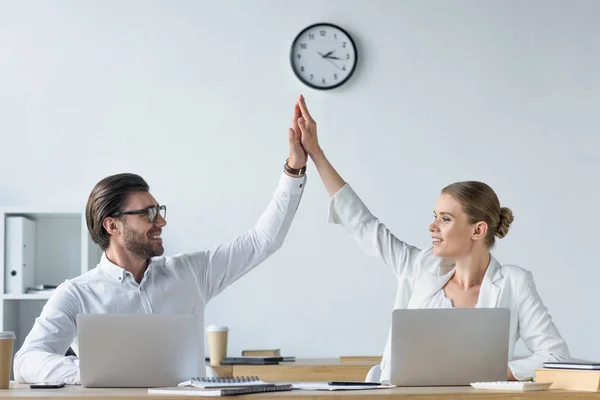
pixel 214 328
pixel 7 335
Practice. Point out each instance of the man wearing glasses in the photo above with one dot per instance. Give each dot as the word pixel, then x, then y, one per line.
pixel 133 276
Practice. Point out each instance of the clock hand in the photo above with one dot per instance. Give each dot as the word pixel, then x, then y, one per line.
pixel 333 58
pixel 334 64
pixel 326 54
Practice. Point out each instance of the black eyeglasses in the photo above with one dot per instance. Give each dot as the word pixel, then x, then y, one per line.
pixel 151 211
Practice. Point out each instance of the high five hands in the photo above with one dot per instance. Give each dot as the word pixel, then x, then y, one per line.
pixel 305 128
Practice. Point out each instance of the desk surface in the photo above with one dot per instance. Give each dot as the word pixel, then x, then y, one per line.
pixel 423 393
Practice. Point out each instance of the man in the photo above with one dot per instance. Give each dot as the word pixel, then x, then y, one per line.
pixel 133 277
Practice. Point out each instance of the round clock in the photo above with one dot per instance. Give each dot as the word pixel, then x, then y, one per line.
pixel 323 56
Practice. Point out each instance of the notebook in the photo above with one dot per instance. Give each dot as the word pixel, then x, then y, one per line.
pixel 328 387
pixel 232 391
pixel 222 383
pixel 589 365
pixel 254 360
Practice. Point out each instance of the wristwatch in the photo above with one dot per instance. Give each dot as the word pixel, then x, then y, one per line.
pixel 292 171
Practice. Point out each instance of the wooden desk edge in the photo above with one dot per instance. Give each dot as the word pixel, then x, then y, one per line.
pixel 423 393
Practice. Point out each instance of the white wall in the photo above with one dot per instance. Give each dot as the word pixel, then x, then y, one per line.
pixel 196 96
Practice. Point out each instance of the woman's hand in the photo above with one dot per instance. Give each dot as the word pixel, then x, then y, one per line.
pixel 510 376
pixel 308 127
pixel 304 123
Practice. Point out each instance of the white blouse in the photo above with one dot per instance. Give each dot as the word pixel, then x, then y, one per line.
pixel 438 300
pixel 422 276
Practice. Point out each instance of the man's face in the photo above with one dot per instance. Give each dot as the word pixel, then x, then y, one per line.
pixel 141 237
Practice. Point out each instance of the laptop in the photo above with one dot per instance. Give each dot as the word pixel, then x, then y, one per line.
pixel 140 350
pixel 449 347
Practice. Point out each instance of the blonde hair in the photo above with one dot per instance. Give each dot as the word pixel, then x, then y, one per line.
pixel 480 203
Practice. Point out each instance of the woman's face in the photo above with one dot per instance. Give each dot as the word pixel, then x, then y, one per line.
pixel 451 232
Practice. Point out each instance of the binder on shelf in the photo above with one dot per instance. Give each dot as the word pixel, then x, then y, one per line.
pixel 19 268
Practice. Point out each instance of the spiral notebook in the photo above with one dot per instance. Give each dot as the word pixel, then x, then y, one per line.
pixel 232 391
pixel 573 365
pixel 224 383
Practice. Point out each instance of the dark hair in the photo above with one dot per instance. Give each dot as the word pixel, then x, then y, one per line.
pixel 107 198
pixel 480 203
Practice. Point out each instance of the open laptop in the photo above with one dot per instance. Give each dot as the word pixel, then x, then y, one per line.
pixel 449 347
pixel 142 350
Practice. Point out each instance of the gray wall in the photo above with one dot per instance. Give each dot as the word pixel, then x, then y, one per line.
pixel 196 96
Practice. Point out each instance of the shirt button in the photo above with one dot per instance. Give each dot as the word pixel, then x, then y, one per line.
pixel 120 278
pixel 301 186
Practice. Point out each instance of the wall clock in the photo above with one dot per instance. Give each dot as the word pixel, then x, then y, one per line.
pixel 323 56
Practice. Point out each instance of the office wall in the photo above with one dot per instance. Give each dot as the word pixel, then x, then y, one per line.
pixel 196 96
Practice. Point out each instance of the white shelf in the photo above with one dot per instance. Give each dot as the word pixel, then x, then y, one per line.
pixel 60 211
pixel 28 296
pixel 63 250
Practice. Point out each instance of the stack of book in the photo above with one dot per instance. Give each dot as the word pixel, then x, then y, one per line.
pixel 573 375
pixel 262 353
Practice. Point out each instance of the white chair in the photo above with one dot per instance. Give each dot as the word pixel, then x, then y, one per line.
pixel 374 374
pixel 210 372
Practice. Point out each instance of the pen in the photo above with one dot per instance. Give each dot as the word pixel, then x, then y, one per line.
pixel 353 383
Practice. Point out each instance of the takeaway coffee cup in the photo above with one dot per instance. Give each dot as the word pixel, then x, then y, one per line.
pixel 6 349
pixel 217 343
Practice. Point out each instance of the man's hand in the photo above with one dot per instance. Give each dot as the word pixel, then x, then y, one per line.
pixel 298 156
pixel 308 127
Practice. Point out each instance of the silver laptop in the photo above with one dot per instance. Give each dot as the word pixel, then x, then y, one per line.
pixel 449 347
pixel 151 350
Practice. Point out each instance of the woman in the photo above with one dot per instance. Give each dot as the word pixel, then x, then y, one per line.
pixel 458 271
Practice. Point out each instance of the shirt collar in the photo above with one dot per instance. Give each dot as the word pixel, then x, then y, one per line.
pixel 112 270
pixel 119 273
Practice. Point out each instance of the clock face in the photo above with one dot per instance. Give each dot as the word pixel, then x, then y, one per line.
pixel 323 56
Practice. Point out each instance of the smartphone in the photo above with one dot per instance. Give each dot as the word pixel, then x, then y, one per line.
pixel 47 385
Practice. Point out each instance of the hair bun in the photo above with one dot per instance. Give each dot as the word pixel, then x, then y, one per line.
pixel 506 218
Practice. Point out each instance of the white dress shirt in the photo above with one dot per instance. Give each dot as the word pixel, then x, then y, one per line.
pixel 181 284
pixel 421 274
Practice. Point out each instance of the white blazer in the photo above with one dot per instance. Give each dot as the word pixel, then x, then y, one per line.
pixel 421 274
